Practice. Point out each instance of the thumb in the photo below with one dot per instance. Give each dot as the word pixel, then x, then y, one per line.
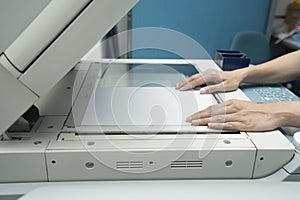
pixel 212 89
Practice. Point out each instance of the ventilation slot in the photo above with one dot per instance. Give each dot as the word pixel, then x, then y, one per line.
pixel 186 164
pixel 129 165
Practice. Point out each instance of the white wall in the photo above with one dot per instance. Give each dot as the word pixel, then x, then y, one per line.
pixel 278 24
pixel 281 6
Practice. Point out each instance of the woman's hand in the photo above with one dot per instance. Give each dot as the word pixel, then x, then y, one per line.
pixel 243 115
pixel 217 81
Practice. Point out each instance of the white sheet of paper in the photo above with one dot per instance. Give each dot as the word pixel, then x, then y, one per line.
pixel 143 106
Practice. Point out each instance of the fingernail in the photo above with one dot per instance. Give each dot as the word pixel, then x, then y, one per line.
pixel 202 91
pixel 195 122
pixel 189 119
pixel 210 125
pixel 182 89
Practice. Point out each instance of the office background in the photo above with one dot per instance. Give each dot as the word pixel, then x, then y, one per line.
pixel 212 23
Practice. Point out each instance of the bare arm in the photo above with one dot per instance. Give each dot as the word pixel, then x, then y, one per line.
pixel 282 69
pixel 244 115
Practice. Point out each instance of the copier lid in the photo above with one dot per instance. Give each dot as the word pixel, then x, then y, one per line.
pixel 62 32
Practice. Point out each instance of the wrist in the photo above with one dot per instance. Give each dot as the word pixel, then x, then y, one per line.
pixel 281 118
pixel 286 113
pixel 244 73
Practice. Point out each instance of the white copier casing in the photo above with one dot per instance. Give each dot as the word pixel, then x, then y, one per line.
pixel 37 67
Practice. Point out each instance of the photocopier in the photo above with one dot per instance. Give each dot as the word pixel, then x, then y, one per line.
pixel 84 121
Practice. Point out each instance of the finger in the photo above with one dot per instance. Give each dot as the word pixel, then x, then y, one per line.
pixel 199 115
pixel 181 84
pixel 213 89
pixel 226 126
pixel 201 122
pixel 217 109
pixel 193 81
pixel 214 119
pixel 190 85
pixel 194 116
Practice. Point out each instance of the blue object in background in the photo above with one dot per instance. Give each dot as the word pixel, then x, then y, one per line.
pixel 268 93
pixel 212 23
pixel 296 36
pixel 231 60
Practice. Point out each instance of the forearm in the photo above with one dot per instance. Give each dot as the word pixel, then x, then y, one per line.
pixel 282 69
pixel 285 113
